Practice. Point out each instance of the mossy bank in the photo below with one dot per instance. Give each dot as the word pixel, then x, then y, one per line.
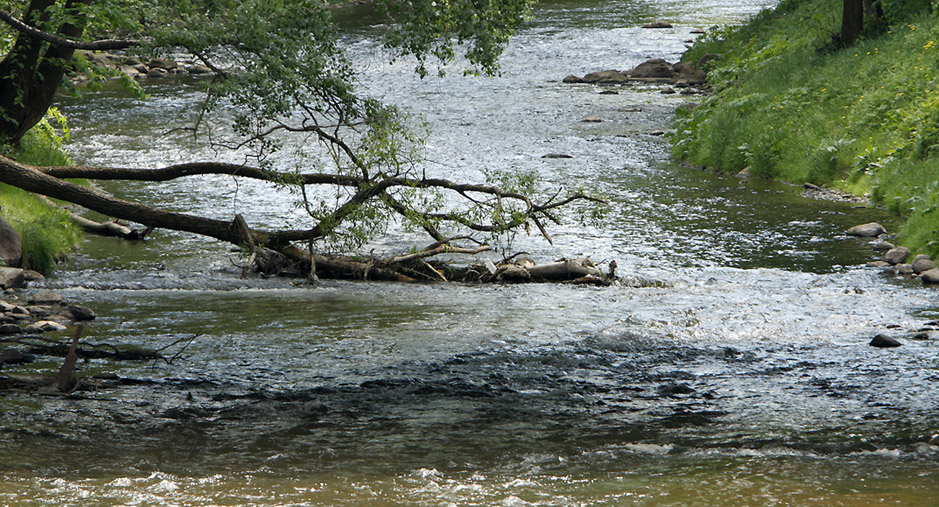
pixel 790 103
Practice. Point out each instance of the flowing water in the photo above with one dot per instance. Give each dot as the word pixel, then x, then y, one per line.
pixel 732 369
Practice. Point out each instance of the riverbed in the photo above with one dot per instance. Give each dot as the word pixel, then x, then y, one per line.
pixel 731 369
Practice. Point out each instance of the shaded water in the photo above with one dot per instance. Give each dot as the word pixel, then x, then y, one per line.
pixel 733 370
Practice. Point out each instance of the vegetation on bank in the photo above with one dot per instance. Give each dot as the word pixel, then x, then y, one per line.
pixel 47 232
pixel 790 104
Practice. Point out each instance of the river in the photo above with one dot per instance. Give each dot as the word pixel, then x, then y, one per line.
pixel 732 369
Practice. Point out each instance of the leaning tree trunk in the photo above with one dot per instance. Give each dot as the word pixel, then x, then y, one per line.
pixel 852 21
pixel 33 70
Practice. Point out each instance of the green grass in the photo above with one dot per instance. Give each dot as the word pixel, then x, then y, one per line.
pixel 790 105
pixel 47 233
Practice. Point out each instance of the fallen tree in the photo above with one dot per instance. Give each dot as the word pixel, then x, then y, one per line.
pixel 277 251
pixel 279 72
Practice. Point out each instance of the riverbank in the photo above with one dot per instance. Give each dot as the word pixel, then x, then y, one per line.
pixel 47 233
pixel 789 105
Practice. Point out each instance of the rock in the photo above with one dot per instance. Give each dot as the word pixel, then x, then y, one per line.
pixel 668 91
pixel 44 326
pixel 905 269
pixel 572 79
pixel 657 24
pixel 100 59
pixel 162 63
pixel 897 255
pixel 13 356
pixel 881 245
pixel 11 246
pixel 10 329
pixel 609 92
pixel 198 69
pixel 11 277
pixel 810 186
pixel 157 72
pixel 606 77
pixel 878 264
pixel 884 341
pixel 78 313
pixel 33 276
pixel 869 230
pixel 931 277
pixel 45 297
pixel 922 263
pixel 592 119
pixel 39 311
pixel 656 68
pixel 556 155
pixel 131 71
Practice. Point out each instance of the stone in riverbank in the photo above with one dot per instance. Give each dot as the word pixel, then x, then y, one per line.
pixel 922 263
pixel 11 277
pixel 869 230
pixel 897 255
pixel 11 246
pixel 931 277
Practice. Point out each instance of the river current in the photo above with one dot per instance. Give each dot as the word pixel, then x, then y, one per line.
pixel 731 369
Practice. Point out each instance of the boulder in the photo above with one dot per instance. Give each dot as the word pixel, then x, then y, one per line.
pixel 157 72
pixel 44 326
pixel 897 255
pixel 13 356
pixel 572 79
pixel 10 329
pixel 869 230
pixel 162 63
pixel 100 59
pixel 45 297
pixel 605 77
pixel 881 245
pixel 77 313
pixel 657 24
pixel 592 119
pixel 11 277
pixel 922 263
pixel 883 341
pixel 199 69
pixel 905 269
pixel 11 246
pixel 656 68
pixel 931 277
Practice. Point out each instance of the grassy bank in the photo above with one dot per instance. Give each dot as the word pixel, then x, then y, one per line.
pixel 47 233
pixel 790 105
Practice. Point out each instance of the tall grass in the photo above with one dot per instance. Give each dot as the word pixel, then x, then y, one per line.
pixel 47 233
pixel 789 104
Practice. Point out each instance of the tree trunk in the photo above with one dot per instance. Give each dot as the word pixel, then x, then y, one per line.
pixel 33 70
pixel 852 21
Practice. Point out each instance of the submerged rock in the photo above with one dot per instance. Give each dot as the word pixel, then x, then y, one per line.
pixel 869 230
pixel 658 24
pixel 884 341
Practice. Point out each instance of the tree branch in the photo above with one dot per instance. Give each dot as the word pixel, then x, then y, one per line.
pixel 104 44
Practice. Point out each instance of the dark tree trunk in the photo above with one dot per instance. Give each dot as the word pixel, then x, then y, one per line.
pixel 32 71
pixel 872 9
pixel 852 21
